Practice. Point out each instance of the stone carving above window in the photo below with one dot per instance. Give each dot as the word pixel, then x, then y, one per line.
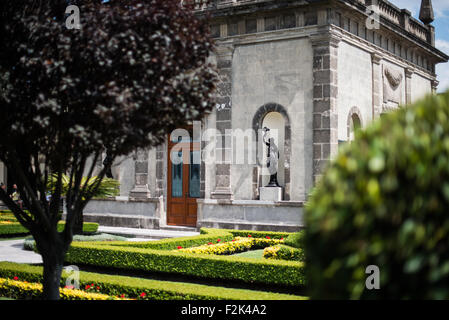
pixel 392 80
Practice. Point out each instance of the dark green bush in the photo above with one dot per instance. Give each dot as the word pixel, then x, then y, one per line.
pixel 384 201
pixel 295 240
pixel 132 287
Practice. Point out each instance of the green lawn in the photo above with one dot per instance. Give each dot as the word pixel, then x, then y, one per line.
pixel 255 254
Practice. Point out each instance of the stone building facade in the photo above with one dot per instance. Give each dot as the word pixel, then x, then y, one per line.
pixel 312 71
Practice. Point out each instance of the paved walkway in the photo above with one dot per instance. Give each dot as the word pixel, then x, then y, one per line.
pixel 12 250
pixel 147 233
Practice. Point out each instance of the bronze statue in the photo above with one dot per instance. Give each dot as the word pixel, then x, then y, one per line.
pixel 272 158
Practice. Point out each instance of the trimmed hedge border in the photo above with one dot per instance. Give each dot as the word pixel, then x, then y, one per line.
pixel 16 228
pixel 139 256
pixel 154 289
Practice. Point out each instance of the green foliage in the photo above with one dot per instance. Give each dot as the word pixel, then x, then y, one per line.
pixel 384 201
pixel 16 228
pixel 133 287
pixel 296 240
pixel 283 252
pixel 127 256
pixel 107 188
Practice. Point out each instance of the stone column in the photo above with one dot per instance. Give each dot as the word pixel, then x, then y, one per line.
pixel 408 85
pixel 377 83
pixel 140 190
pixel 325 91
pixel 223 150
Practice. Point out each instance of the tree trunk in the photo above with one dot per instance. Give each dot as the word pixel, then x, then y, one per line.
pixel 78 224
pixel 53 264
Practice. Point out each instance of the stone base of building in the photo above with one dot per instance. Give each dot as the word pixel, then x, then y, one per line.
pixel 286 216
pixel 130 213
pixel 124 221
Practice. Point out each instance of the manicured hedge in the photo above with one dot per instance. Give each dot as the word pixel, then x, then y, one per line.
pixel 206 236
pixel 260 234
pixel 296 240
pixel 153 289
pixel 143 256
pixel 16 228
pixel 206 266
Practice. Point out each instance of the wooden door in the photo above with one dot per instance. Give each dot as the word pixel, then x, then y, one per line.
pixel 183 181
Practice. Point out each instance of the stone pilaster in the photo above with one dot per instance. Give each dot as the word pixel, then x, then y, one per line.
pixel 140 190
pixel 325 91
pixel 223 122
pixel 435 84
pixel 377 84
pixel 408 85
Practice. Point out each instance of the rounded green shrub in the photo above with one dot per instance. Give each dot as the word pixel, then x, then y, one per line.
pixel 384 201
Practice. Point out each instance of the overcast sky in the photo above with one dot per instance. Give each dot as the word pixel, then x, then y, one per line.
pixel 441 24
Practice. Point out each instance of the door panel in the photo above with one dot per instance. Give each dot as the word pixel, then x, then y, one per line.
pixel 184 171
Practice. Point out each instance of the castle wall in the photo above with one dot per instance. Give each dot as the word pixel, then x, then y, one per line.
pixel 275 72
pixel 420 87
pixel 354 86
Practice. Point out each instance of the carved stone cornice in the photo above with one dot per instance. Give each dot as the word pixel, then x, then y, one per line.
pixel 329 37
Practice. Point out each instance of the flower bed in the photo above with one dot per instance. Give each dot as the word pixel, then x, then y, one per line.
pixel 13 288
pixel 138 288
pixel 282 252
pixel 237 245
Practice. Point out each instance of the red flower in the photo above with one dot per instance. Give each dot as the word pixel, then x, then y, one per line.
pixel 98 288
pixel 87 287
pixel 143 294
pixel 267 237
pixel 210 243
pixel 179 247
pixel 122 295
pixel 282 238
pixel 233 240
pixel 249 236
pixel 16 278
pixel 218 240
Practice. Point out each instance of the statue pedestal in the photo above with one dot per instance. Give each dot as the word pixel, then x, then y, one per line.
pixel 271 193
